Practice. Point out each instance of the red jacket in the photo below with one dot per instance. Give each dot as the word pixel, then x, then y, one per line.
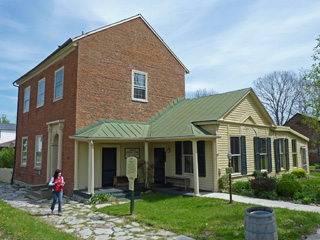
pixel 57 186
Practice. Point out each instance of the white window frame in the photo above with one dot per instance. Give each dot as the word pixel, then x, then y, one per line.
pixel 236 155
pixel 24 162
pixel 263 155
pixel 43 80
pixel 282 154
pixel 36 164
pixel 55 86
pixel 184 158
pixel 294 154
pixel 25 100
pixel 146 86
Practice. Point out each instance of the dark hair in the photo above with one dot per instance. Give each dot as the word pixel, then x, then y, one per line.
pixel 56 173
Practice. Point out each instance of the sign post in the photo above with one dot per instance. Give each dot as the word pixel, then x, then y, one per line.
pixel 131 173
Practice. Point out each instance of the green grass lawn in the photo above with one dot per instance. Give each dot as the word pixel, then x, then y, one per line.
pixel 16 224
pixel 207 218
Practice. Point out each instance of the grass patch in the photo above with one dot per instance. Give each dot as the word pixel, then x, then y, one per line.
pixel 16 224
pixel 315 174
pixel 207 218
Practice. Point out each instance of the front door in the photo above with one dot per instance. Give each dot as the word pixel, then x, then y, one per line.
pixel 159 167
pixel 109 166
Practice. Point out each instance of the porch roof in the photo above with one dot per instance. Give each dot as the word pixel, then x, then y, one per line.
pixel 177 120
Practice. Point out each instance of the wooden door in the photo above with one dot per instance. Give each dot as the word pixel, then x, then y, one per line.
pixel 159 165
pixel 109 166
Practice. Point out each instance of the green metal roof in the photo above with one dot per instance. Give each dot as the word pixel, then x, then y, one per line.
pixel 178 120
pixel 174 121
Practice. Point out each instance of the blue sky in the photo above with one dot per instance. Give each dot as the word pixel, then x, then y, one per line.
pixel 226 44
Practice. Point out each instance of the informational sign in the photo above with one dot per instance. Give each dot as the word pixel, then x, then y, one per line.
pixel 131 171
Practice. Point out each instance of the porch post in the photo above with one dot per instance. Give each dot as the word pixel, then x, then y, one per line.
pixel 60 146
pixel 215 166
pixel 89 166
pixel 76 165
pixel 92 167
pixel 195 168
pixel 49 154
pixel 146 156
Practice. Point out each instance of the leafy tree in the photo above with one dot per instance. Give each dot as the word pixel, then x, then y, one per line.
pixel 312 96
pixel 4 119
pixel 7 157
pixel 201 93
pixel 280 92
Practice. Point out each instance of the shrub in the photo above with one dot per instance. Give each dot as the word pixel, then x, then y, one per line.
pixel 259 174
pixel 300 173
pixel 317 166
pixel 299 196
pixel 289 176
pixel 7 157
pixel 100 198
pixel 224 183
pixel 307 200
pixel 263 184
pixel 287 188
pixel 267 195
pixel 241 187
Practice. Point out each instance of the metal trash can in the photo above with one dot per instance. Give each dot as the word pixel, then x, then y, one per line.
pixel 260 224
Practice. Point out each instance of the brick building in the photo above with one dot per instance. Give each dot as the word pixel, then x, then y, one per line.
pixel 123 71
pixel 296 124
pixel 118 92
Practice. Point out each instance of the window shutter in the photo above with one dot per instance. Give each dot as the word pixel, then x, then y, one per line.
pixel 243 155
pixel 277 155
pixel 179 158
pixel 269 154
pixel 201 158
pixel 286 142
pixel 256 142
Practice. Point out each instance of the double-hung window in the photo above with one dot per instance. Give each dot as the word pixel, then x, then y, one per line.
pixel 263 154
pixel 281 153
pixel 26 99
pixel 236 155
pixel 38 151
pixel 294 152
pixel 58 83
pixel 41 87
pixel 24 150
pixel 139 86
pixel 187 157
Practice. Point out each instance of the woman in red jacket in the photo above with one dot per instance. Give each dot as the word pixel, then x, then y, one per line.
pixel 57 182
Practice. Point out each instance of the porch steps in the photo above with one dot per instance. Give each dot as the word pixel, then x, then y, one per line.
pixel 40 191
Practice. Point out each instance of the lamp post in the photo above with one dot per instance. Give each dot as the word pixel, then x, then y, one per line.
pixel 230 184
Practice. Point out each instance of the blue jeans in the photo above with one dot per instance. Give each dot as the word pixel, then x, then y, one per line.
pixel 55 196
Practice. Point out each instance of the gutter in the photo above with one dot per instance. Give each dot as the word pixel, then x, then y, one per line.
pixel 15 148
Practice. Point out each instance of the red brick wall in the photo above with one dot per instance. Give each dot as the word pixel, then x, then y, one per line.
pixel 33 123
pixel 106 60
pixel 296 124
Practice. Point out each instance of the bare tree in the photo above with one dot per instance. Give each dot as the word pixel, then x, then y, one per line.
pixel 281 94
pixel 201 93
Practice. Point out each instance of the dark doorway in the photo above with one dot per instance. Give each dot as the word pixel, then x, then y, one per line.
pixel 159 168
pixel 109 166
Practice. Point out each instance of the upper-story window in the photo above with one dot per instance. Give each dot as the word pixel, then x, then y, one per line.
pixel 294 152
pixel 41 87
pixel 139 86
pixel 26 99
pixel 58 84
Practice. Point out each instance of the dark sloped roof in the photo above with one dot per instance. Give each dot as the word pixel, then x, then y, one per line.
pixel 7 126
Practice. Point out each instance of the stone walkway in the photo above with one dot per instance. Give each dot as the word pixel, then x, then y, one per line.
pixel 80 220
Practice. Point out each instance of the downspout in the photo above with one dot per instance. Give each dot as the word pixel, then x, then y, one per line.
pixel 15 148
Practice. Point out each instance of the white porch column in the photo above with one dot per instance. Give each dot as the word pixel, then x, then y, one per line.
pixel 195 168
pixel 76 166
pixel 60 146
pixel 89 167
pixel 215 166
pixel 92 166
pixel 49 154
pixel 146 156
